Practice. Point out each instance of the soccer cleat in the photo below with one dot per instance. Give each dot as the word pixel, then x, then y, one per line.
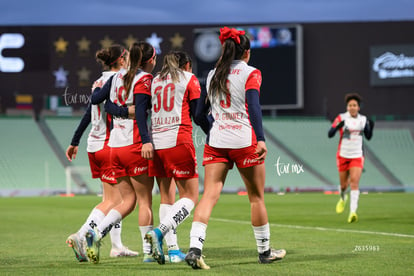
pixel 340 206
pixel 271 255
pixel 122 252
pixel 353 217
pixel 93 244
pixel 176 256
pixel 195 259
pixel 78 247
pixel 154 237
pixel 148 258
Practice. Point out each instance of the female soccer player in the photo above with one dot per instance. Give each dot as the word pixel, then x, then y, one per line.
pixel 174 96
pixel 236 136
pixel 112 59
pixel 130 169
pixel 350 155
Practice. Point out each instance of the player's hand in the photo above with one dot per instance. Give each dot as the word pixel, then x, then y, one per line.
pixel 71 152
pixel 131 112
pixel 340 124
pixel 261 150
pixel 97 84
pixel 147 151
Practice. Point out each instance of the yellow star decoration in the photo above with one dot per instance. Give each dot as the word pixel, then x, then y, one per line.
pixel 130 40
pixel 106 42
pixel 83 44
pixel 83 75
pixel 61 45
pixel 177 41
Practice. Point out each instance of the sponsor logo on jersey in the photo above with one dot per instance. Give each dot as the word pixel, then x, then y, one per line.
pixel 140 169
pixel 247 161
pixel 105 177
pixel 175 172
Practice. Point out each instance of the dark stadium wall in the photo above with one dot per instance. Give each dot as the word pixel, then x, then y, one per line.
pixel 336 58
pixel 336 62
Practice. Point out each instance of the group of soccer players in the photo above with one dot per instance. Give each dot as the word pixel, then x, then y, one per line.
pixel 127 154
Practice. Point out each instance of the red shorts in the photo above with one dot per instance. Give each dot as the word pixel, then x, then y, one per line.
pixel 244 157
pixel 344 164
pixel 100 164
pixel 127 161
pixel 179 162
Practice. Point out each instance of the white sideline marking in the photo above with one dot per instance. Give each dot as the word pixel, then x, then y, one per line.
pixel 321 228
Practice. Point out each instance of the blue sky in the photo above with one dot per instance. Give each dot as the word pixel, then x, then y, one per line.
pixel 98 12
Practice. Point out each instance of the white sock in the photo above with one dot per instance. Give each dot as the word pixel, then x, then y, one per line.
pixel 146 247
pixel 171 236
pixel 178 213
pixel 115 234
pixel 262 235
pixel 354 200
pixel 112 218
pixel 198 235
pixel 94 218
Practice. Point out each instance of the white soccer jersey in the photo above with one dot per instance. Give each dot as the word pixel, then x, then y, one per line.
pixel 125 131
pixel 170 117
pixel 99 133
pixel 231 127
pixel 351 135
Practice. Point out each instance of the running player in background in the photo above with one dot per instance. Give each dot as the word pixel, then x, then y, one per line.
pixel 174 94
pixel 126 88
pixel 111 59
pixel 236 136
pixel 350 156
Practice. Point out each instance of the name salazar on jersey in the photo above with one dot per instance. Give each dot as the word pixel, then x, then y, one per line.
pixel 172 120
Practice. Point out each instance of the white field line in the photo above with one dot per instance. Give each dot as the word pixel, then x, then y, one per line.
pixel 320 228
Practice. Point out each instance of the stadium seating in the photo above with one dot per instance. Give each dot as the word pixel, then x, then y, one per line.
pixel 307 138
pixel 63 129
pixel 395 148
pixel 28 166
pixel 300 157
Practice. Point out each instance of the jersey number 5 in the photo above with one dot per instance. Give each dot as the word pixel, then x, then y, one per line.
pixel 226 103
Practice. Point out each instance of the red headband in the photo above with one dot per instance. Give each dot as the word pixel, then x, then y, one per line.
pixel 232 33
pixel 153 55
pixel 122 54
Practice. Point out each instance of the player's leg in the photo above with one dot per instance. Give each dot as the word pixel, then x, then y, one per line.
pixel 111 198
pixel 254 180
pixel 115 215
pixel 143 185
pixel 354 175
pixel 180 210
pixel 343 198
pixel 214 177
pixel 167 188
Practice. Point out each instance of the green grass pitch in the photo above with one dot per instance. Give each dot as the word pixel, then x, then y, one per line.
pixel 317 240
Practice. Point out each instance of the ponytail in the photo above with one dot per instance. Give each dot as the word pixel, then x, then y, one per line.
pixel 235 43
pixel 135 58
pixel 170 66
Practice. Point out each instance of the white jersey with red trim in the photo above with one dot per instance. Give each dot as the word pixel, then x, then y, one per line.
pixel 351 135
pixel 99 134
pixel 231 127
pixel 125 131
pixel 170 117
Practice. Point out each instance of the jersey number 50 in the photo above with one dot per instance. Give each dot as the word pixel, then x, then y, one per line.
pixel 165 97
